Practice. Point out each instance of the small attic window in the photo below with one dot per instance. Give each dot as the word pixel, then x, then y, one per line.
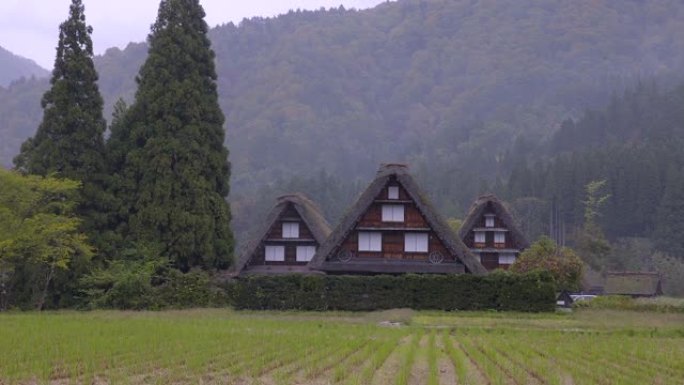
pixel 290 230
pixel 489 220
pixel 393 213
pixel 393 192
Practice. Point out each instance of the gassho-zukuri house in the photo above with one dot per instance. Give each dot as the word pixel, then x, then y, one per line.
pixel 290 237
pixel 491 234
pixel 393 229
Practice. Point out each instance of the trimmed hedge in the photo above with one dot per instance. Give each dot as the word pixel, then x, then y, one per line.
pixel 530 292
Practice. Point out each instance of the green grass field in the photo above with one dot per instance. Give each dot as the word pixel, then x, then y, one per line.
pixel 223 346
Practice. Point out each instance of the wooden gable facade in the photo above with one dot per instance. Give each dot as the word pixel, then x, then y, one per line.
pixel 491 233
pixel 393 229
pixel 293 232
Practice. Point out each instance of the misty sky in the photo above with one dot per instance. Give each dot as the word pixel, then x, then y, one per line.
pixel 30 27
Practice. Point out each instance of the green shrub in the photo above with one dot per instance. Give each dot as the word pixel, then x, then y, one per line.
pixel 124 285
pixel 619 302
pixel 185 290
pixel 137 285
pixel 531 292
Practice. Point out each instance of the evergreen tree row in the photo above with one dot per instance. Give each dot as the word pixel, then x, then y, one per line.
pixel 157 188
pixel 635 145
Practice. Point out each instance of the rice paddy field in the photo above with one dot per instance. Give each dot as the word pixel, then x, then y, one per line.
pixel 392 347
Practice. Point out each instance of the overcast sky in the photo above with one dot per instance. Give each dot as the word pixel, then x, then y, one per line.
pixel 30 27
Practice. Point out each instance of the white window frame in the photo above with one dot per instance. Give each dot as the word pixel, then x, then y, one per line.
pixel 274 253
pixel 480 237
pixel 416 242
pixel 305 253
pixel 489 222
pixel 506 259
pixel 393 192
pixel 290 230
pixel 370 241
pixel 499 237
pixel 393 213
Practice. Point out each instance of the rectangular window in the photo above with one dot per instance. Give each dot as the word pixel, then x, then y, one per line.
pixel 499 237
pixel 305 253
pixel 489 222
pixel 416 242
pixel 393 192
pixel 275 253
pixel 479 237
pixel 290 230
pixel 370 241
pixel 392 213
pixel 506 259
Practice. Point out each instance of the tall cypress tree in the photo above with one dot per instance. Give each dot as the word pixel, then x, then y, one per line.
pixel 176 164
pixel 69 141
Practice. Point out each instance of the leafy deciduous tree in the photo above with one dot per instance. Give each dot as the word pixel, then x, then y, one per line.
pixel 39 234
pixel 565 266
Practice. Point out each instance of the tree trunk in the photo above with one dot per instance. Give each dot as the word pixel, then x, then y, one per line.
pixel 41 300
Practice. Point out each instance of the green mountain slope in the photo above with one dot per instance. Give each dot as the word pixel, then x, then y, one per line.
pixel 13 67
pixel 433 82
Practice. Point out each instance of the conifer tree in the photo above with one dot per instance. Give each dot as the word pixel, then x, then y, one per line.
pixel 69 142
pixel 176 164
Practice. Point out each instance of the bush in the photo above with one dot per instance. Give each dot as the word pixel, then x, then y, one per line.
pixel 187 290
pixel 151 285
pixel 620 302
pixel 562 263
pixel 530 292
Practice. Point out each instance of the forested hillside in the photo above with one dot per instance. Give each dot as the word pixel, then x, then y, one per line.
pixel 454 87
pixel 635 144
pixel 13 67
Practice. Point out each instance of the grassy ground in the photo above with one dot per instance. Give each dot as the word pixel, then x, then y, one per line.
pixel 223 346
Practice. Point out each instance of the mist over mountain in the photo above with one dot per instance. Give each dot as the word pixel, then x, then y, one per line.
pixel 14 67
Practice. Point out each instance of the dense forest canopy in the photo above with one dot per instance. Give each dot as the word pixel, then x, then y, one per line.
pixel 315 100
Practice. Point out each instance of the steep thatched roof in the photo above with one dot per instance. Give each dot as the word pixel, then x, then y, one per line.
pixel 307 209
pixel 502 212
pixel 436 222
pixel 638 284
pixel 593 281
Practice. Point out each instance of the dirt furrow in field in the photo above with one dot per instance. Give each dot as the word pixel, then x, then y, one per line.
pixel 568 363
pixel 321 372
pixel 509 378
pixel 445 368
pixel 473 370
pixel 533 378
pixel 388 371
pixel 420 369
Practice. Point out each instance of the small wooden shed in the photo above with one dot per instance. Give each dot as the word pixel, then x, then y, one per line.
pixel 633 284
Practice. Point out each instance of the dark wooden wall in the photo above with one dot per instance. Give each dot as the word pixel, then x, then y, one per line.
pixel 275 238
pixel 393 240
